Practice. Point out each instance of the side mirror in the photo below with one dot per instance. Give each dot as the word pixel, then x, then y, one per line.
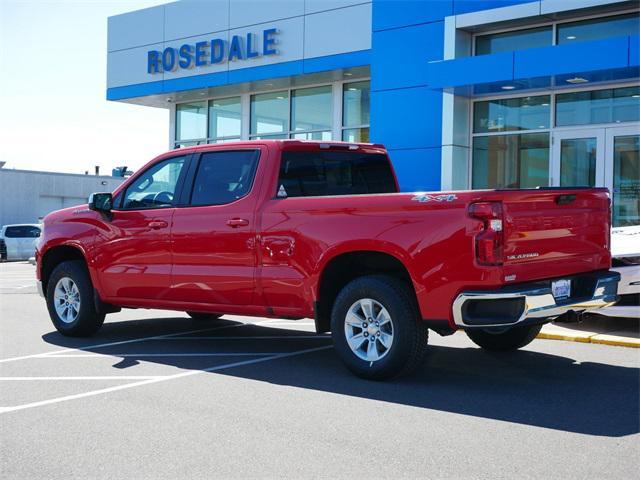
pixel 101 202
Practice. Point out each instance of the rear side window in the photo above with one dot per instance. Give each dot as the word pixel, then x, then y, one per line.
pixel 22 231
pixel 224 177
pixel 305 174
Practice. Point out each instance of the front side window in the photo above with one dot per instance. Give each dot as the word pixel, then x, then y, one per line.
pixel 515 40
pixel 224 177
pixel 156 187
pixel 304 174
pixel 511 161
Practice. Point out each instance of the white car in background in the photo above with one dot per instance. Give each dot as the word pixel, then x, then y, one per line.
pixel 18 242
pixel 625 249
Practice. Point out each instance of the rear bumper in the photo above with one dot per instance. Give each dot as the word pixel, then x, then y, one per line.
pixel 515 304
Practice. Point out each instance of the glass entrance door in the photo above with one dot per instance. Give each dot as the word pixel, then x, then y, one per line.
pixel 601 157
pixel 622 167
pixel 578 158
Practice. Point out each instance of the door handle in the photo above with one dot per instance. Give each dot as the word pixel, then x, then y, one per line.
pixel 237 222
pixel 157 224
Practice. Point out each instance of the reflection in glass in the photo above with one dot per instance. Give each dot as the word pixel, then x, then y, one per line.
pixel 578 162
pixel 270 112
pixel 511 161
pixel 598 28
pixel 626 180
pixel 324 135
pixel 225 117
pixel 191 120
pixel 355 104
pixel 516 40
pixel 525 113
pixel 311 108
pixel 356 135
pixel 598 106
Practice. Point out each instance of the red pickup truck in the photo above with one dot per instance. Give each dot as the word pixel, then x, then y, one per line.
pixel 296 229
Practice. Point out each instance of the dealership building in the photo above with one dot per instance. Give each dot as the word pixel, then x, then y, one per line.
pixel 463 93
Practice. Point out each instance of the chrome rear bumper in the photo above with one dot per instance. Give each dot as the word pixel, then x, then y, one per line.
pixel 512 305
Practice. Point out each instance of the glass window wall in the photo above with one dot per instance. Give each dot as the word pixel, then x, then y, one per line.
pixel 526 113
pixel 511 161
pixel 191 121
pixel 514 40
pixel 598 106
pixel 356 111
pixel 270 113
pixel 225 119
pixel 598 28
pixel 311 110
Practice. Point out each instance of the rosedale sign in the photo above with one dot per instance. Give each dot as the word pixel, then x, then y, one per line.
pixel 215 51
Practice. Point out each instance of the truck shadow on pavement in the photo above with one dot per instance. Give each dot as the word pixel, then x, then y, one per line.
pixel 524 387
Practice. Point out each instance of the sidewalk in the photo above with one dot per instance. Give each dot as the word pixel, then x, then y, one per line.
pixel 622 332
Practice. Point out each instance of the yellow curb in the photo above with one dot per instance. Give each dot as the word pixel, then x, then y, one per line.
pixel 616 341
pixel 602 339
pixel 561 336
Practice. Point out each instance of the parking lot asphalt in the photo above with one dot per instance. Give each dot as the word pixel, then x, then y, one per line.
pixel 157 395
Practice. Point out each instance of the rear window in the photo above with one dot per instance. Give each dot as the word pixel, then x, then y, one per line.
pixel 22 231
pixel 224 177
pixel 306 174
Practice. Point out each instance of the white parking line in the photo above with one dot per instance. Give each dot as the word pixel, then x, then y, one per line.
pixel 122 342
pixel 112 377
pixel 157 380
pixel 257 337
pixel 142 354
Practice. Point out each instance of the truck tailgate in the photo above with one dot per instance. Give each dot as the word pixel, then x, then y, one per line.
pixel 555 232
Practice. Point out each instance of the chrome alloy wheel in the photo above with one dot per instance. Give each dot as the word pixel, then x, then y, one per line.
pixel 66 299
pixel 368 329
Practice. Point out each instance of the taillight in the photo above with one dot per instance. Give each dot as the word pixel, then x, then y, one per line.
pixel 490 241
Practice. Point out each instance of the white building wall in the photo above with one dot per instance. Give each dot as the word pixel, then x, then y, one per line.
pixel 306 29
pixel 27 196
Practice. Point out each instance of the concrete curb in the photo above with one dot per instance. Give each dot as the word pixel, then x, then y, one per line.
pixel 588 337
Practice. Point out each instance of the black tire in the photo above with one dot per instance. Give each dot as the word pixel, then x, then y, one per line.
pixel 410 334
pixel 204 317
pixel 87 321
pixel 512 339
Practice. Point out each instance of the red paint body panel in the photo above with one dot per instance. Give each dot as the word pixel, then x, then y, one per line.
pixel 273 264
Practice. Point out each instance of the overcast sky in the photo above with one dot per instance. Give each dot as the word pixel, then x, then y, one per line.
pixel 53 112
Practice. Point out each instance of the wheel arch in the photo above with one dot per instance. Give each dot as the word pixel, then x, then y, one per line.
pixel 343 267
pixel 54 256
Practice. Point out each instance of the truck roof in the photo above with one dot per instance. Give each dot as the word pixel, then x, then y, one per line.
pixel 284 143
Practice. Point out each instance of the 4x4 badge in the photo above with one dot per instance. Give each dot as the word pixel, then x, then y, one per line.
pixel 425 197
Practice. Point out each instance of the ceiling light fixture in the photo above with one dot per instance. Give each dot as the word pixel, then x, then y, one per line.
pixel 508 87
pixel 571 37
pixel 575 80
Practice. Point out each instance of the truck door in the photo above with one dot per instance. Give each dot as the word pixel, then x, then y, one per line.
pixel 133 247
pixel 214 230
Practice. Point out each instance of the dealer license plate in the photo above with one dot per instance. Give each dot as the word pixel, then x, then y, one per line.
pixel 561 289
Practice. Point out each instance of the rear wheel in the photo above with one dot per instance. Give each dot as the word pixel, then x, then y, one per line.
pixel 70 300
pixel 511 339
pixel 376 328
pixel 204 317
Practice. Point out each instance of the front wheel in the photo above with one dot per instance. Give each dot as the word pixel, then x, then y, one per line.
pixel 376 328
pixel 70 300
pixel 512 339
